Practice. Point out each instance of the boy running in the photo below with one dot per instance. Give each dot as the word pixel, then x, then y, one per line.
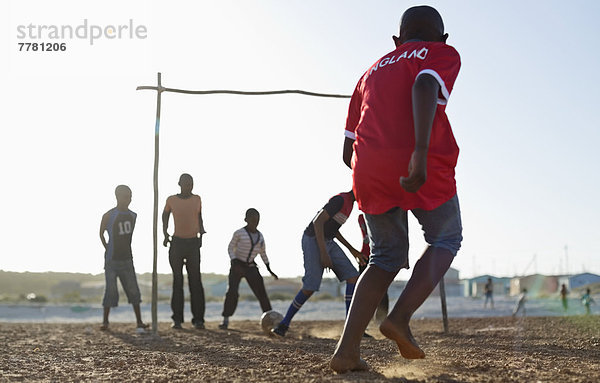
pixel 321 253
pixel 402 152
pixel 119 223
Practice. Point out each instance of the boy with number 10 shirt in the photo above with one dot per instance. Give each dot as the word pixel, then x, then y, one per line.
pixel 119 223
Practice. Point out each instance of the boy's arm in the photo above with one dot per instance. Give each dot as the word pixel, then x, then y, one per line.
pixel 103 224
pixel 318 223
pixel 348 151
pixel 360 257
pixel 233 245
pixel 201 223
pixel 271 272
pixel 263 256
pixel 165 221
pixel 424 99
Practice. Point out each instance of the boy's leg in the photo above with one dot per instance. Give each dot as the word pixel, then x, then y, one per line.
pixel 383 308
pixel 343 269
pixel 236 271
pixel 389 238
pixel 105 318
pixel 426 274
pixel 384 305
pixel 350 287
pixel 371 287
pixel 111 293
pixel 295 306
pixel 257 285
pixel 192 265
pixel 129 282
pixel 176 262
pixel 313 274
pixel 443 231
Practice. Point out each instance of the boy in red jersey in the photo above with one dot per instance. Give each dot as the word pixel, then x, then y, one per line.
pixel 402 152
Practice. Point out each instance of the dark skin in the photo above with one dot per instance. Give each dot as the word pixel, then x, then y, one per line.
pixel 252 221
pixel 186 184
pixel 418 24
pixel 123 200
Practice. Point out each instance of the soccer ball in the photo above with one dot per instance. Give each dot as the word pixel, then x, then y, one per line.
pixel 269 320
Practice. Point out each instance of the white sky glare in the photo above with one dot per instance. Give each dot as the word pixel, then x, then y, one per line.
pixel 522 110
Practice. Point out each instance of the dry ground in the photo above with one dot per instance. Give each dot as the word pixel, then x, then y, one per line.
pixel 557 349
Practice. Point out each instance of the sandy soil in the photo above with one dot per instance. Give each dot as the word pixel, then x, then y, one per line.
pixel 559 349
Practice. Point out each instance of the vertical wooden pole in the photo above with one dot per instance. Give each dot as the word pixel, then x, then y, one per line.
pixel 155 215
pixel 443 298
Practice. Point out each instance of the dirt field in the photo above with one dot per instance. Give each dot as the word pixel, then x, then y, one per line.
pixel 558 349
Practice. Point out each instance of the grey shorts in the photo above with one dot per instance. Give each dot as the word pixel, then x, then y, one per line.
pixel 126 273
pixel 313 270
pixel 388 233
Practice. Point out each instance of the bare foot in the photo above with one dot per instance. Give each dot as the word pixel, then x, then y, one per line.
pixel 341 364
pixel 143 325
pixel 407 345
pixel 104 326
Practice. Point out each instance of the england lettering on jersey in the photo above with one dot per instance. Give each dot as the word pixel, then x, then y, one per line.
pixel 419 54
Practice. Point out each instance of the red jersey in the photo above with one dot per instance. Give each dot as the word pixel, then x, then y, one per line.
pixel 380 120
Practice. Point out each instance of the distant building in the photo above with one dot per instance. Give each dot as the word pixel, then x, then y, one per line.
pixel 582 280
pixel 452 284
pixel 536 285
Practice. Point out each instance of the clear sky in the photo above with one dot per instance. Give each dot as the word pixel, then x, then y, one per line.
pixel 523 112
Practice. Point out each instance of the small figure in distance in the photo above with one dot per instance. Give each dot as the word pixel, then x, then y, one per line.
pixel 587 301
pixel 564 293
pixel 119 223
pixel 244 246
pixel 489 293
pixel 185 250
pixel 520 306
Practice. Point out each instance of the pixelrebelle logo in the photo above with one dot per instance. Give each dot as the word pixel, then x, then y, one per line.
pixel 84 31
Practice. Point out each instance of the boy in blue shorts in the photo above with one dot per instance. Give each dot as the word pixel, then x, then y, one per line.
pixel 402 152
pixel 119 223
pixel 321 253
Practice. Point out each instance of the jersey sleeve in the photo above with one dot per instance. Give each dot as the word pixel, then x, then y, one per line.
pixel 443 63
pixel 354 112
pixel 334 205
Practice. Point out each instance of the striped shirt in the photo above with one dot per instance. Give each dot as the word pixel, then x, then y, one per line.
pixel 241 243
